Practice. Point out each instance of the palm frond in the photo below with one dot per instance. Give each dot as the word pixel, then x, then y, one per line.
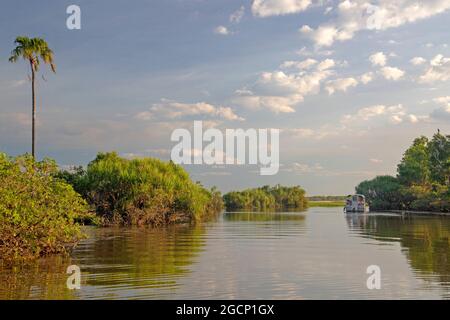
pixel 33 50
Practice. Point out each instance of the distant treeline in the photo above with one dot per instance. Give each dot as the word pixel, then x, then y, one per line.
pixel 327 198
pixel 422 182
pixel 267 198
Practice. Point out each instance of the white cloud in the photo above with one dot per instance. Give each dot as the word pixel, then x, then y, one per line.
pixel 346 5
pixel 324 36
pixel 326 64
pixel 172 110
pixel 222 30
pixel 340 85
pixel 276 104
pixel 292 83
pixel 267 8
pixel 302 65
pixel 417 61
pixel 376 161
pixel 356 15
pixel 413 118
pixel 442 113
pixel 438 70
pixel 366 77
pixel 395 114
pixel 306 52
pixel 365 113
pixel 228 114
pixel 237 16
pixel 280 91
pixel 301 168
pixel 392 73
pixel 445 101
pixel 378 59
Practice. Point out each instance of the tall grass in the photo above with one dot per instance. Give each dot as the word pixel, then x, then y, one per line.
pixel 143 191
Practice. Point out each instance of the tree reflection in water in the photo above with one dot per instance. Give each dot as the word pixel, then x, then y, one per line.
pixel 113 260
pixel 425 240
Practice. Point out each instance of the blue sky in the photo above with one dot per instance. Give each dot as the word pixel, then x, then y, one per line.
pixel 349 83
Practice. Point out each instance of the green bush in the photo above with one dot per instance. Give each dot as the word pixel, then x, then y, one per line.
pixel 37 210
pixel 267 198
pixel 383 192
pixel 142 191
pixel 422 182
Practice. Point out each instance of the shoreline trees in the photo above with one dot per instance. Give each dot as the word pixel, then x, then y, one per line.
pixel 37 210
pixel 422 182
pixel 40 206
pixel 267 198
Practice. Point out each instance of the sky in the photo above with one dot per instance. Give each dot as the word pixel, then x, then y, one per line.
pixel 350 84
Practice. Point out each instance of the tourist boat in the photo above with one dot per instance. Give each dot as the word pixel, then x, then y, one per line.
pixel 356 203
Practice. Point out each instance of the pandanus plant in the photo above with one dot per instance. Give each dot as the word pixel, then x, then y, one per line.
pixel 33 51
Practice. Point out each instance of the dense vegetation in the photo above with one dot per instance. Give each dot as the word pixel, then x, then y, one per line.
pixel 326 201
pixel 327 198
pixel 142 191
pixel 422 182
pixel 37 210
pixel 267 198
pixel 326 204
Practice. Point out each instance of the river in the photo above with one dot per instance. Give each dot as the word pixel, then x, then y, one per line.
pixel 318 254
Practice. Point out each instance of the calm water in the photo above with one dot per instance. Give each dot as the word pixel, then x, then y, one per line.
pixel 319 254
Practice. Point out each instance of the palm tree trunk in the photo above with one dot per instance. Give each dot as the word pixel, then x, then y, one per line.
pixel 33 110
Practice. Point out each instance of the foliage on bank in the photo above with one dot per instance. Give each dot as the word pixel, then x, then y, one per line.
pixel 37 210
pixel 327 198
pixel 326 201
pixel 326 204
pixel 422 182
pixel 142 191
pixel 267 198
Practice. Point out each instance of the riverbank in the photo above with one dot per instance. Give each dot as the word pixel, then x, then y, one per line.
pixel 326 204
pixel 42 208
pixel 422 182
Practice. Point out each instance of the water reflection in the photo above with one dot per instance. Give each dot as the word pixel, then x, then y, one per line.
pixel 43 279
pixel 425 241
pixel 262 216
pixel 320 254
pixel 115 263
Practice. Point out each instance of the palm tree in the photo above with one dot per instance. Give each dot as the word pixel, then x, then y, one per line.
pixel 32 50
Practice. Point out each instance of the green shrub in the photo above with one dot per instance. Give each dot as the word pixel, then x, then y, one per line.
pixel 37 210
pixel 382 192
pixel 422 182
pixel 267 198
pixel 142 191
